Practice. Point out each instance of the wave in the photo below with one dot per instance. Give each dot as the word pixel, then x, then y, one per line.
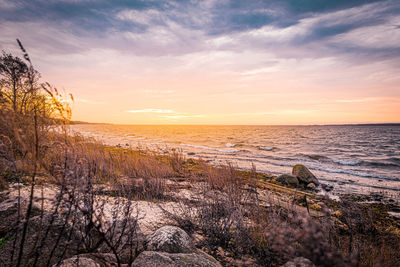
pixel 344 162
pixel 353 162
pixel 266 148
pixel 379 164
pixel 212 148
pixel 315 156
pixel 230 145
pixel 355 173
pixel 347 162
pixel 274 157
pixel 394 159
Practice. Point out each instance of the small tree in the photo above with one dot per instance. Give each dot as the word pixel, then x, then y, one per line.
pixel 13 71
pixel 27 105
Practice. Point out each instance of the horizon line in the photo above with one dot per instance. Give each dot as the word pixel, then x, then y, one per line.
pixel 315 124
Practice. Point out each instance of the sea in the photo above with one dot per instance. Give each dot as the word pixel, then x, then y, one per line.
pixel 351 159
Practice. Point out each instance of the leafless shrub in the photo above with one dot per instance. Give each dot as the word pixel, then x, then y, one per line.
pixel 367 235
pixel 228 215
pixel 185 214
pixel 33 143
pixel 177 161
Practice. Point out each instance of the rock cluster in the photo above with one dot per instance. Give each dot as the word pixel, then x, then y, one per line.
pixel 304 175
pixel 168 246
pixel 171 246
pixel 90 260
pixel 301 177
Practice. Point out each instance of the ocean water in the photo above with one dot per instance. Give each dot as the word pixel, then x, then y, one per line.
pixel 361 159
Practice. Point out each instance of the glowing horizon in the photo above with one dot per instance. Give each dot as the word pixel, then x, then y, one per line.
pixel 215 62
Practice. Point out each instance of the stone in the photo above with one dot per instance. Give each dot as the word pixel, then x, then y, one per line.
pixel 304 174
pixel 170 239
pixel 9 212
pixel 311 186
pixel 47 225
pixel 90 260
pixel 299 262
pixel 164 259
pixel 78 261
pixel 288 179
pixel 327 187
pixel 10 206
pixel 316 206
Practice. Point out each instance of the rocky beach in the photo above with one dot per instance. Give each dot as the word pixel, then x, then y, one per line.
pixel 185 212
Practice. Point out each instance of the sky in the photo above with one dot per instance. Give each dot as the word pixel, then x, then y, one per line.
pixel 215 61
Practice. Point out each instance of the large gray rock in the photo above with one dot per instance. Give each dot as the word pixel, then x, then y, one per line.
pixel 90 260
pixel 170 239
pixel 288 179
pixel 78 261
pixel 304 175
pixel 43 232
pixel 9 212
pixel 299 262
pixel 10 206
pixel 156 259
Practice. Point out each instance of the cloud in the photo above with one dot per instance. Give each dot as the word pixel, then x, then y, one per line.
pixel 382 36
pixel 137 16
pixel 182 116
pixel 6 4
pixel 159 28
pixel 151 110
pixel 367 99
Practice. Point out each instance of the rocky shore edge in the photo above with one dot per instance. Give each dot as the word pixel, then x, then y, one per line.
pixel 169 245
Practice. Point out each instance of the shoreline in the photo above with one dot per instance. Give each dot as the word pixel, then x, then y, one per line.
pixel 343 181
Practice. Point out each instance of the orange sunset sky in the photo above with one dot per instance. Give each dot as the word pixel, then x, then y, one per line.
pixel 215 62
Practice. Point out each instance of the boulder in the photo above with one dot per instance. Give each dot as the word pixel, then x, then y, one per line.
pixel 90 260
pixel 9 212
pixel 43 232
pixel 288 179
pixel 170 239
pixel 299 262
pixel 156 259
pixel 304 175
pixel 171 246
pixel 78 261
pixel 10 206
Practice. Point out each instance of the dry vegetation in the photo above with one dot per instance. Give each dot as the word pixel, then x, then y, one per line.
pixel 97 192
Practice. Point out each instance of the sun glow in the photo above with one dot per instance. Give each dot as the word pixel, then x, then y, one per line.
pixel 172 65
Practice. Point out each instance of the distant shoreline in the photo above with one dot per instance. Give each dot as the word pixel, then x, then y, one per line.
pixel 257 125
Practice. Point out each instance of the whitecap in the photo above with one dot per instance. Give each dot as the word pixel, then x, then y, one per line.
pixel 347 162
pixel 212 148
pixel 266 148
